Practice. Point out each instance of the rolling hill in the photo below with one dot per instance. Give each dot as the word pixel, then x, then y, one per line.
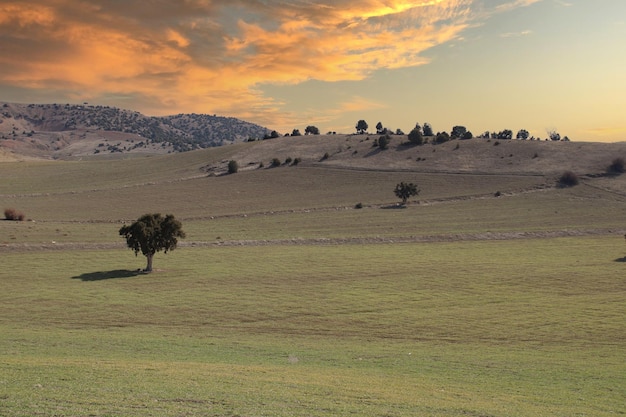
pixel 63 131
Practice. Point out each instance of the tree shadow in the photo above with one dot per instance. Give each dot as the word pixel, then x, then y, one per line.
pixel 102 275
pixel 623 259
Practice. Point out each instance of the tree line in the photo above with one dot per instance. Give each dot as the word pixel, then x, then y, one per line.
pixel 423 133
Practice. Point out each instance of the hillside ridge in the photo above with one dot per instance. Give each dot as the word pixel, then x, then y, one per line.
pixel 61 131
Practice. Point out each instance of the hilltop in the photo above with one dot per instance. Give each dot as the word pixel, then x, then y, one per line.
pixel 62 131
pixel 472 156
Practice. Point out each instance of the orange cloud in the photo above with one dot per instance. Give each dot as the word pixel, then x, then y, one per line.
pixel 211 56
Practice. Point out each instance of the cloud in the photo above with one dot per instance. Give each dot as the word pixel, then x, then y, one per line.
pixel 211 56
pixel 516 34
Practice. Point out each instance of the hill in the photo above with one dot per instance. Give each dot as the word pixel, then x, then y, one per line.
pixel 475 156
pixel 66 131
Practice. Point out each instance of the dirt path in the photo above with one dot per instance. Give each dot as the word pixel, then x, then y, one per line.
pixel 455 237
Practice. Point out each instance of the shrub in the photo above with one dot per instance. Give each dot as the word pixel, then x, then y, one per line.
pixel 288 160
pixel 415 136
pixel 568 179
pixel 383 142
pixel 617 166
pixel 325 157
pixel 275 162
pixel 12 214
pixel 233 167
pixel 358 206
pixel 296 161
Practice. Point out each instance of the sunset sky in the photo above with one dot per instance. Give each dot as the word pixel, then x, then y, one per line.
pixel 486 64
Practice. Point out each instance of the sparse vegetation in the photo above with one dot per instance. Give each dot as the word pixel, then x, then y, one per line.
pixel 247 321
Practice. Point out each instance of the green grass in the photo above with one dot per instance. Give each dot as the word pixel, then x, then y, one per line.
pixel 407 329
pixel 453 324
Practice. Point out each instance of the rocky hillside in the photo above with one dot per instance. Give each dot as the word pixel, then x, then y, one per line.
pixel 66 130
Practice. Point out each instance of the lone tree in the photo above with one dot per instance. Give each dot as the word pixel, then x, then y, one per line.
pixel 415 135
pixel 361 127
pixel 152 233
pixel 404 191
pixel 311 130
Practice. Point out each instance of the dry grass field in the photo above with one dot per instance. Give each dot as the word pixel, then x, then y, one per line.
pixel 492 293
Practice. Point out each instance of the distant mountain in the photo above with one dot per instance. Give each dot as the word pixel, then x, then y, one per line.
pixel 59 128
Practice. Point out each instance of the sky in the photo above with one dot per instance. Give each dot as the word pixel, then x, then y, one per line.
pixel 489 65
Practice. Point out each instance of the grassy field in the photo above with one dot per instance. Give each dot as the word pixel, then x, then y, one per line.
pixel 284 300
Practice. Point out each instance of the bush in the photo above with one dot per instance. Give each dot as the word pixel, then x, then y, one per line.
pixel 415 137
pixel 383 142
pixel 568 179
pixel 288 160
pixel 296 161
pixel 275 162
pixel 12 214
pixel 325 157
pixel 233 167
pixel 617 166
pixel 358 206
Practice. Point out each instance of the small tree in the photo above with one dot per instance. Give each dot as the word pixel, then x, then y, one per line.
pixel 554 135
pixel 233 167
pixel 415 135
pixel 568 179
pixel 361 127
pixel 427 130
pixel 404 191
pixel 296 132
pixel 383 142
pixel 522 134
pixel 442 137
pixel 617 166
pixel 152 233
pixel 311 130
pixel 458 132
pixel 379 128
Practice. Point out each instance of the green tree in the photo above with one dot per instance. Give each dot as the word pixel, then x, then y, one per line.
pixel 383 142
pixel 404 191
pixel 311 130
pixel 152 233
pixel 361 127
pixel 458 132
pixel 554 135
pixel 522 134
pixel 442 137
pixel 233 167
pixel 427 130
pixel 415 135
